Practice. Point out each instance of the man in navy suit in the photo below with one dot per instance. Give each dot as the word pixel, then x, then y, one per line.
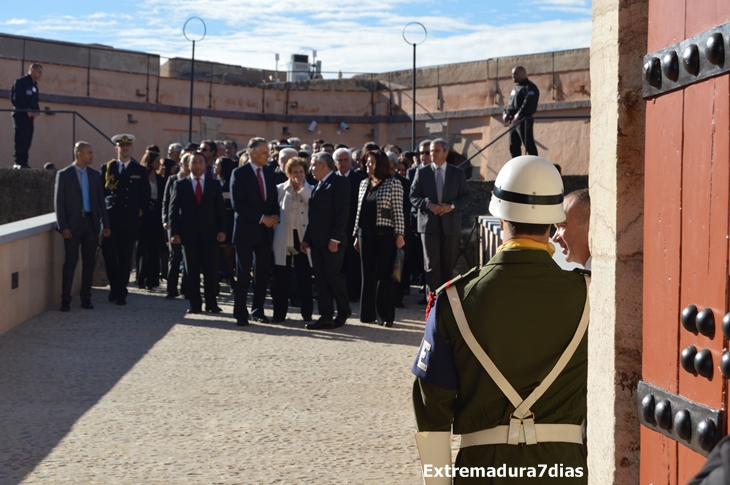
pixel 255 201
pixel 198 222
pixel 439 193
pixel 80 211
pixel 351 262
pixel 326 236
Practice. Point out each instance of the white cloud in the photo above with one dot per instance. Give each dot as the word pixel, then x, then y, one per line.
pixel 16 22
pixel 352 36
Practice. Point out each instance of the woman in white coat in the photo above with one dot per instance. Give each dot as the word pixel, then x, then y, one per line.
pixel 294 208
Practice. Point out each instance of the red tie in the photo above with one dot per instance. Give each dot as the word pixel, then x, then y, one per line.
pixel 198 191
pixel 261 183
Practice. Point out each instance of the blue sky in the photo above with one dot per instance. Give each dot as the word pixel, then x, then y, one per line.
pixel 349 35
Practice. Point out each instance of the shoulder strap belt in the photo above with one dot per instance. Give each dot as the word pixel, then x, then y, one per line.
pixel 499 435
pixel 522 421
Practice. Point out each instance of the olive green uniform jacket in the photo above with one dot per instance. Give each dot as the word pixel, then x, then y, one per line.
pixel 523 310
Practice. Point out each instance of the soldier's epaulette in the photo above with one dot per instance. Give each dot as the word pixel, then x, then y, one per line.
pixel 471 273
pixel 582 271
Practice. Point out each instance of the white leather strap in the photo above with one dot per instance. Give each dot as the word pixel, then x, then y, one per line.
pixel 563 433
pixel 522 427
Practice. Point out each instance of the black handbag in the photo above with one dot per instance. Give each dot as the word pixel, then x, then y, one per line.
pixel 398 265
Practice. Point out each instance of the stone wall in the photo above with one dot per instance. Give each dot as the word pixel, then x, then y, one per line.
pixel 25 193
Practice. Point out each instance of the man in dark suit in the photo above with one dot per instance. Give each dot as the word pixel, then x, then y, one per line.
pixel 439 193
pixel 176 256
pixel 351 263
pixel 326 236
pixel 24 96
pixel 198 222
pixel 127 193
pixel 80 211
pixel 255 201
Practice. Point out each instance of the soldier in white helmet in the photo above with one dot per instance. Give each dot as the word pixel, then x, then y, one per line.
pixel 504 359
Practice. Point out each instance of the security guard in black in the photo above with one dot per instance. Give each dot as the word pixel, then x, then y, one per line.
pixel 521 105
pixel 24 96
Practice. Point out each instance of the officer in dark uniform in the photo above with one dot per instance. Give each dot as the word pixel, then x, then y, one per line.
pixel 504 358
pixel 522 105
pixel 127 193
pixel 24 95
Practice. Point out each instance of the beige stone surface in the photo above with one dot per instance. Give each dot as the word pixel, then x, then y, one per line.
pixel 616 183
pixel 145 394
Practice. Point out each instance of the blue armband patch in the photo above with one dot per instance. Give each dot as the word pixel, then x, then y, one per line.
pixel 435 360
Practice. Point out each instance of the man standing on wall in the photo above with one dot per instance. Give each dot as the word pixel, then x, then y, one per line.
pixel 24 95
pixel 521 105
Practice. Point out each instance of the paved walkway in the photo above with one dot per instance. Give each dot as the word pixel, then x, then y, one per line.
pixel 145 394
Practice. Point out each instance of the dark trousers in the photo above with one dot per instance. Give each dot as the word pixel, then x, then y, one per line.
pixel 351 271
pixel 377 300
pixel 148 252
pixel 173 269
pixel 415 253
pixel 279 291
pixel 201 255
pixel 329 280
pixel 87 241
pixel 117 250
pixel 261 266
pixel 522 134
pixel 23 137
pixel 439 257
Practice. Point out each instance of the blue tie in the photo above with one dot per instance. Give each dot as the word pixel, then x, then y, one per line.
pixel 85 190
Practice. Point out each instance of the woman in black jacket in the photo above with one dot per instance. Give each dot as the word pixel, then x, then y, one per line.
pixel 379 229
pixel 151 235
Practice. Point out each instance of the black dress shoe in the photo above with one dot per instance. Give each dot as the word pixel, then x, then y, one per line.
pixel 320 324
pixel 171 296
pixel 213 309
pixel 112 297
pixel 192 310
pixel 65 306
pixel 242 323
pixel 278 320
pixel 121 301
pixel 87 305
pixel 307 319
pixel 260 318
pixel 388 324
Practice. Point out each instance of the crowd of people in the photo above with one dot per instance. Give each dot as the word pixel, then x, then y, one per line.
pixel 299 221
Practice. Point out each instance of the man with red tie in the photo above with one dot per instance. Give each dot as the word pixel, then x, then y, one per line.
pixel 198 222
pixel 255 202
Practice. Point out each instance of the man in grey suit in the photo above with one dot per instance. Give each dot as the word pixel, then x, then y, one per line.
pixel 80 213
pixel 439 193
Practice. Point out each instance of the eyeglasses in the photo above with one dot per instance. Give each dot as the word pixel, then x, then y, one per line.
pixel 426 152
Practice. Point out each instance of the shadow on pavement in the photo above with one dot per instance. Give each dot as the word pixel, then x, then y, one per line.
pixel 56 366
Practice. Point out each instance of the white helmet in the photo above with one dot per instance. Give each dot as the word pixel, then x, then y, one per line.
pixel 528 189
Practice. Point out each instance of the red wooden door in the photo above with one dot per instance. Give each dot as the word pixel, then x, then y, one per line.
pixel 686 228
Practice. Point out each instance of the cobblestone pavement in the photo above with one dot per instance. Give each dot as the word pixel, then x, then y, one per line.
pixel 145 394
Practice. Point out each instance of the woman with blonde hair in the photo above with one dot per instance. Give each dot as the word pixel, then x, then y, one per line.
pixel 294 208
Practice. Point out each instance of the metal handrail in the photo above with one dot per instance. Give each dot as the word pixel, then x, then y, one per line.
pixel 512 127
pixel 73 123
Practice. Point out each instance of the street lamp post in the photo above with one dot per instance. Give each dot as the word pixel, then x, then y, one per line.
pixel 192 37
pixel 412 35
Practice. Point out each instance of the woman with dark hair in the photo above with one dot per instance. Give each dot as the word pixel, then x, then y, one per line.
pixel 293 209
pixel 379 229
pixel 223 169
pixel 151 236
